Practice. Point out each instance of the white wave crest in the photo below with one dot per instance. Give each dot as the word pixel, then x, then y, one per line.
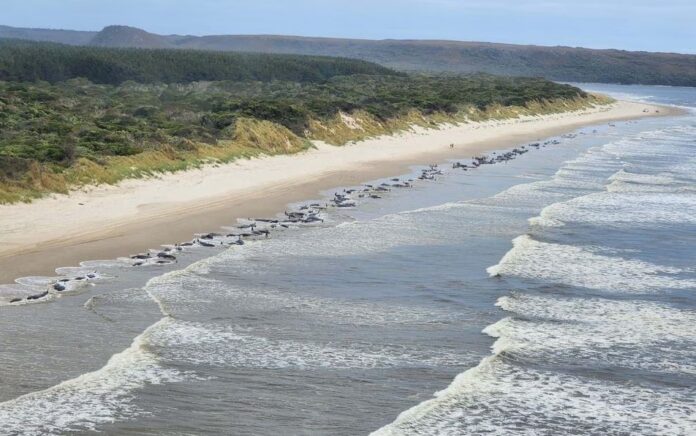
pixel 577 266
pixel 501 399
pixel 89 400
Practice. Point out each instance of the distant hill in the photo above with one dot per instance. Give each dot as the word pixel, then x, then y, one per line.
pixel 31 61
pixel 556 63
pixel 125 36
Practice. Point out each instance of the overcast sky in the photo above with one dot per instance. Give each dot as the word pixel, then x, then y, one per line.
pixel 661 25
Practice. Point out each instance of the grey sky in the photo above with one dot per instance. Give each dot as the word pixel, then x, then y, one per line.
pixel 666 25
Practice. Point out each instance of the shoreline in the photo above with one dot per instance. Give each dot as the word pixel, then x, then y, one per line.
pixel 106 222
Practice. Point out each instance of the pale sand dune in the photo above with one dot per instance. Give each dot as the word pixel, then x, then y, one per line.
pixel 109 221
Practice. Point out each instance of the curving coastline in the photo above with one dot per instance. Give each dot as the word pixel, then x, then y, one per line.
pixel 112 221
pixel 195 337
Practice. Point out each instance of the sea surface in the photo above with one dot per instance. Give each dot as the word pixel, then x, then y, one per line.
pixel 551 294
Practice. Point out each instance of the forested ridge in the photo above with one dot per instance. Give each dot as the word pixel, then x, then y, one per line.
pixel 33 61
pixel 570 64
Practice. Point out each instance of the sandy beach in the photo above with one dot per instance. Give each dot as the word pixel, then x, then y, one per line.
pixel 109 221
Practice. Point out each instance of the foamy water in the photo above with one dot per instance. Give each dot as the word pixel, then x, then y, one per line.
pixel 598 340
pixel 91 399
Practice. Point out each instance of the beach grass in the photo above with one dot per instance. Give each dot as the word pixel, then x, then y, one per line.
pixel 360 125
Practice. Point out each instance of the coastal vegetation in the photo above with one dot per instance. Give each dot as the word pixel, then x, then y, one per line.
pixel 58 136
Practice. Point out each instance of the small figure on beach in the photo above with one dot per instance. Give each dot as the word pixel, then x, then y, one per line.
pixel 452 145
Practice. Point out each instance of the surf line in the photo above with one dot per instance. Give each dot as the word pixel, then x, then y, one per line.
pixel 82 391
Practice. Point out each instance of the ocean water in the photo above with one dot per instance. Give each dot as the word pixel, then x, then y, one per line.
pixel 552 294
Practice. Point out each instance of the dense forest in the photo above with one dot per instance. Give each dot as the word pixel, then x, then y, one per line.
pixel 570 64
pixel 32 61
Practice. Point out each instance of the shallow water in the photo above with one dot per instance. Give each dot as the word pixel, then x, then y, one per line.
pixel 574 262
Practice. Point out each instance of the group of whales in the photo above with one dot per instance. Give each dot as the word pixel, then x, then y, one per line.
pixel 259 228
pixel 61 285
pixel 495 158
